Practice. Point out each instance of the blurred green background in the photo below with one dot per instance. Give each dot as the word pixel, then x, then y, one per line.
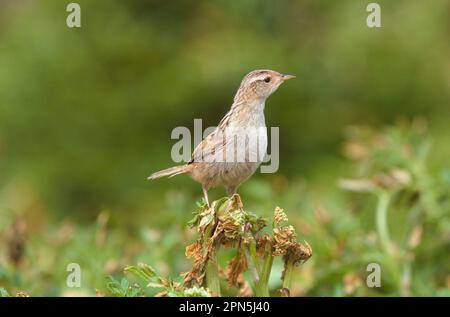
pixel 86 115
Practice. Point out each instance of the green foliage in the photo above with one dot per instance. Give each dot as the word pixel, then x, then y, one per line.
pixel 394 164
pixel 122 289
pixel 149 280
pixel 226 224
pixel 4 292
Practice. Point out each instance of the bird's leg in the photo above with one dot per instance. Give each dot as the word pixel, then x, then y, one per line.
pixel 205 194
pixel 231 190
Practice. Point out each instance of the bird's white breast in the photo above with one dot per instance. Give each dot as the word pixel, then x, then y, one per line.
pixel 250 132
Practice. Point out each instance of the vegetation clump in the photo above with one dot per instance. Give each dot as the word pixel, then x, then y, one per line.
pixel 227 225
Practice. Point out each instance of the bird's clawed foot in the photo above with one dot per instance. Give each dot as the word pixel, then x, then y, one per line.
pixel 234 196
pixel 236 201
pixel 205 195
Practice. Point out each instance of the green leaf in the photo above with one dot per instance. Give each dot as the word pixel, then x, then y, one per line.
pixel 143 271
pixel 194 221
pixel 4 292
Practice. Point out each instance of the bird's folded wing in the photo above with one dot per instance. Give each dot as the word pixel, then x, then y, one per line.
pixel 227 145
pixel 211 149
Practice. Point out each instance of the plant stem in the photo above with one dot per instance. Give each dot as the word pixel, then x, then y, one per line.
pixel 287 279
pixel 383 235
pixel 263 285
pixel 381 221
pixel 252 249
pixel 405 289
pixel 252 267
pixel 212 266
pixel 212 274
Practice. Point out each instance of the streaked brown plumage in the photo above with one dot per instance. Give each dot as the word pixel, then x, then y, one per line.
pixel 246 114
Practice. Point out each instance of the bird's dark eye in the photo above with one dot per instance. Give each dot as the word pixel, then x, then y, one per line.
pixel 267 79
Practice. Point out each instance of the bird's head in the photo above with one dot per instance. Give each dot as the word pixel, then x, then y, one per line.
pixel 260 84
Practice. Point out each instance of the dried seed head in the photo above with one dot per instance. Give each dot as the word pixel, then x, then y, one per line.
pixel 280 216
pixel 263 244
pixel 299 253
pixel 232 226
pixel 284 238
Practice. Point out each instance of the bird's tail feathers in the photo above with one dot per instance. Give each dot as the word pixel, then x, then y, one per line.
pixel 172 171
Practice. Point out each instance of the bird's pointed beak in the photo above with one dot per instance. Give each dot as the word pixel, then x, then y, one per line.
pixel 287 77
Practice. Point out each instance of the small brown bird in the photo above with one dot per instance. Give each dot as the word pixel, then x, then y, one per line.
pixel 235 149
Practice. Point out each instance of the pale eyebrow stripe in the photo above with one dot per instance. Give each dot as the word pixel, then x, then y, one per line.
pixel 259 77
